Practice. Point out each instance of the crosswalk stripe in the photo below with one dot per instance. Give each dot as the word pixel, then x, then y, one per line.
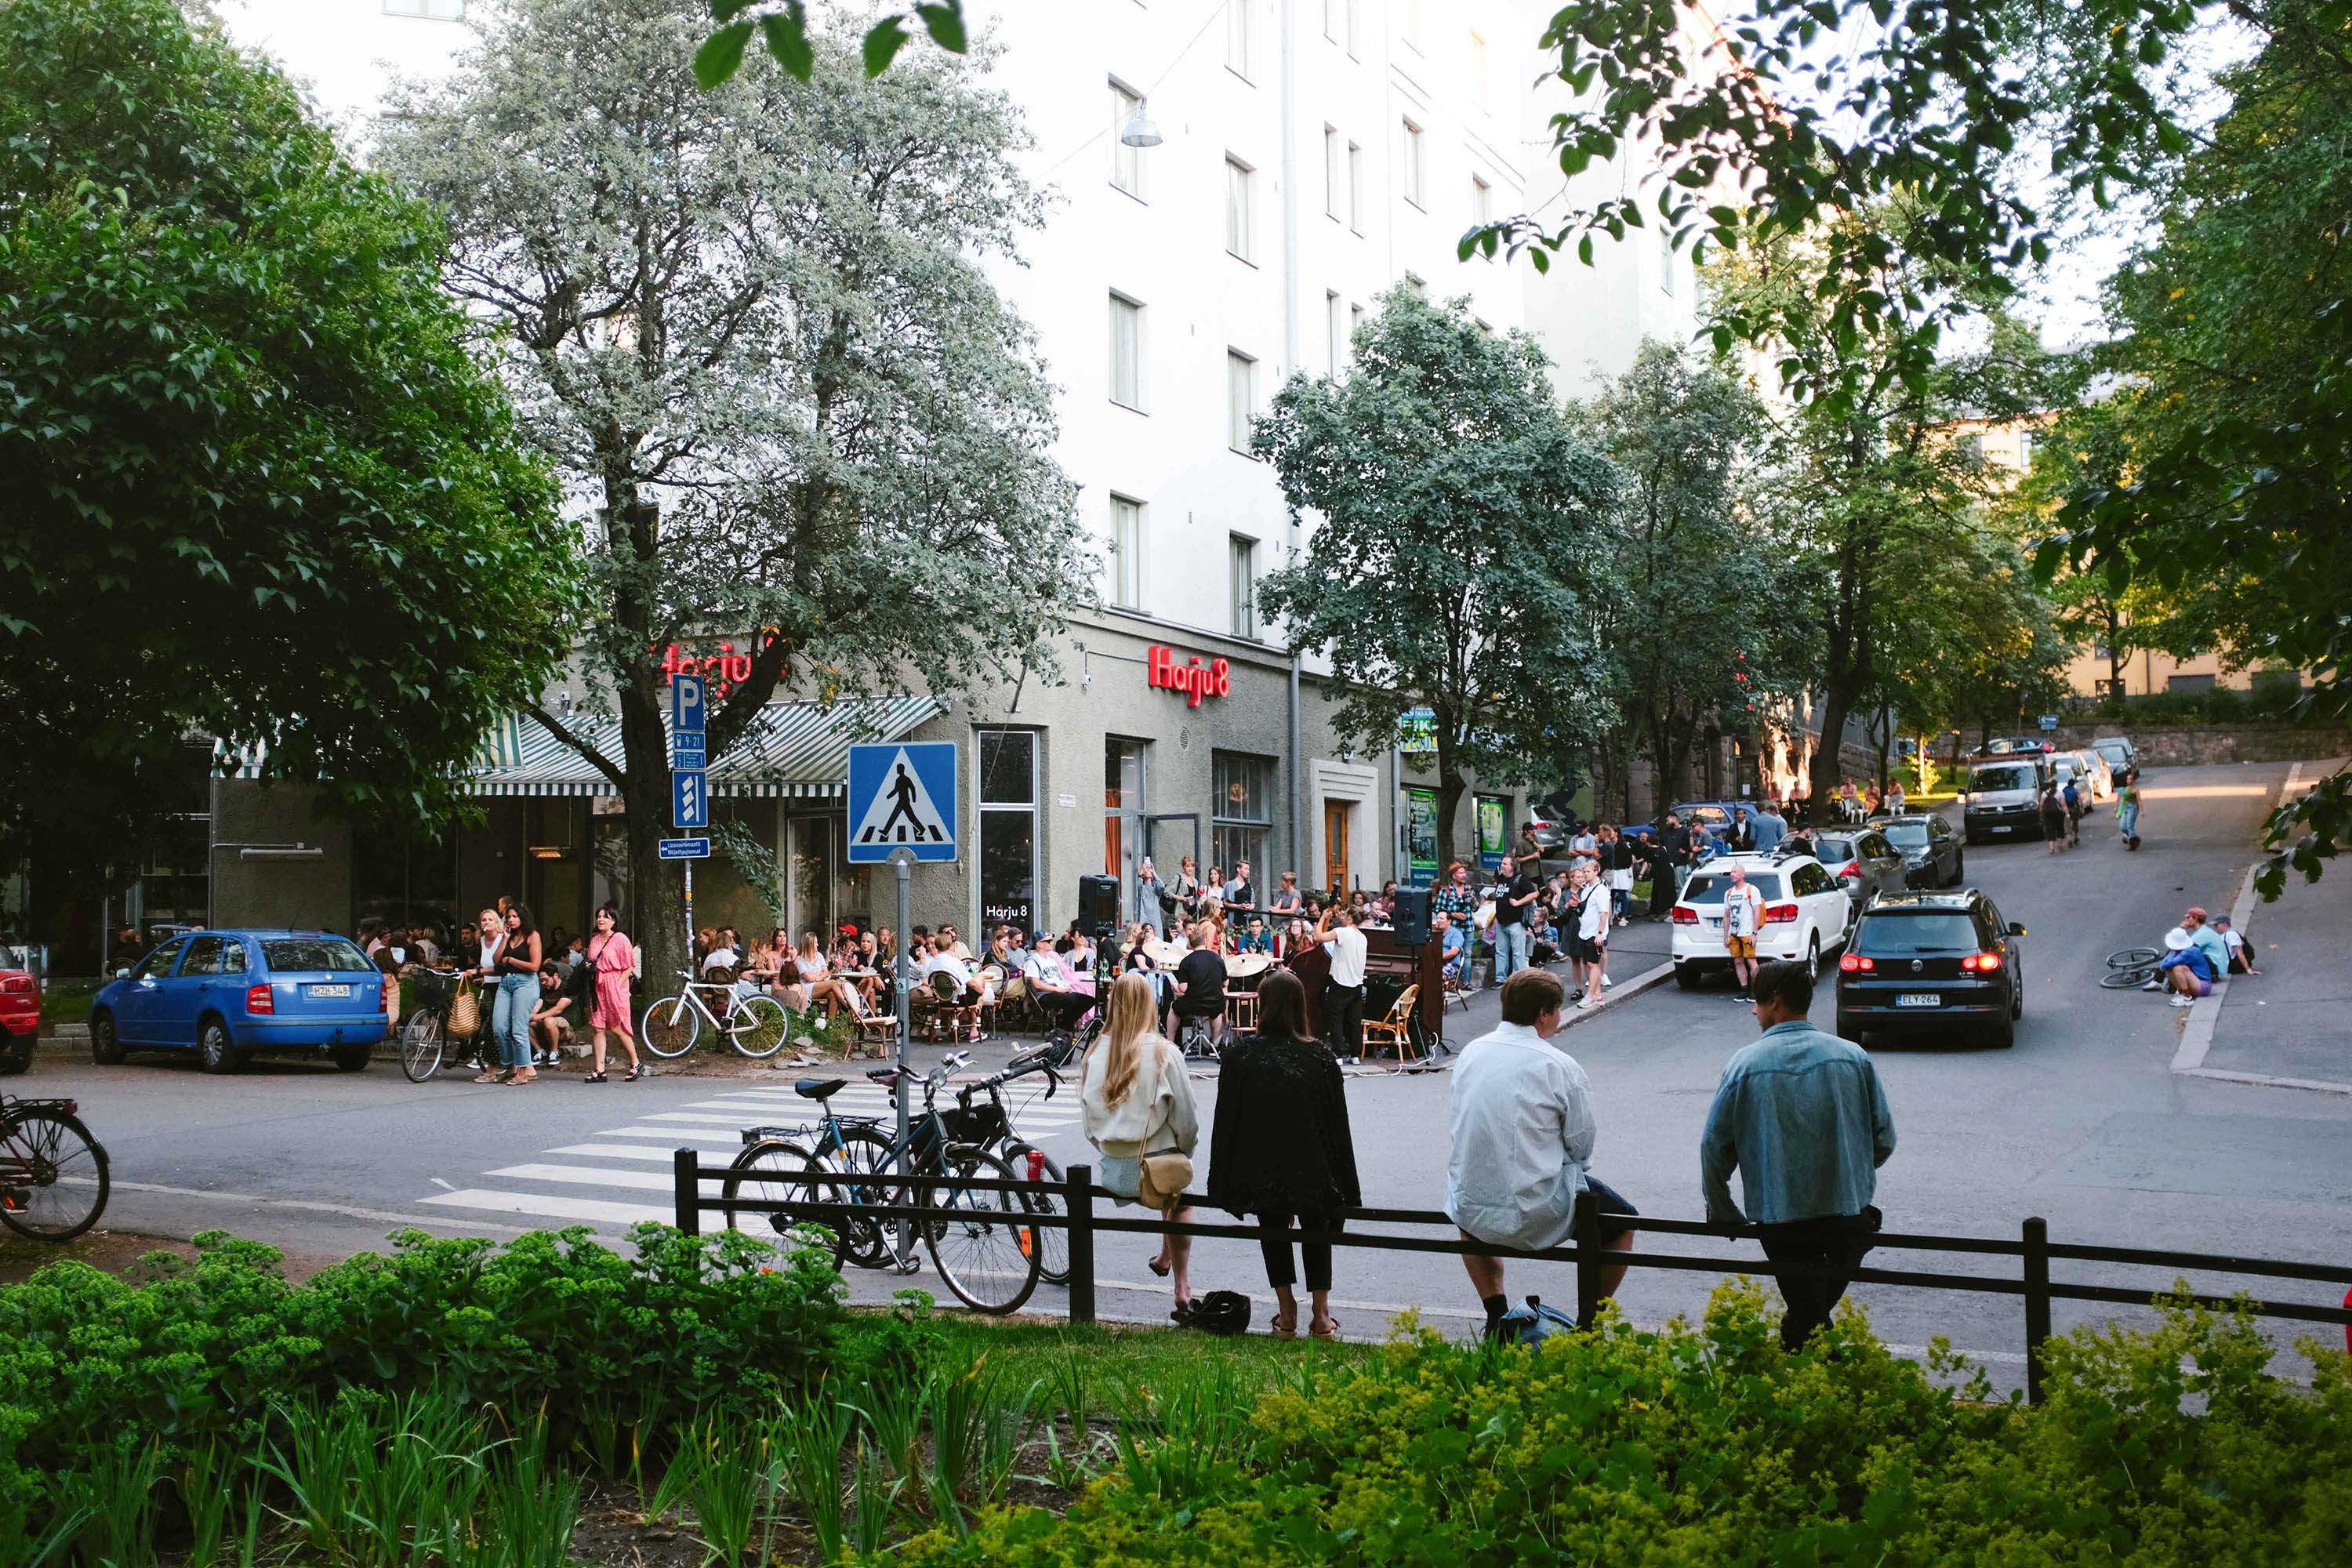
pixel 589 1176
pixel 594 1210
pixel 702 1117
pixel 676 1135
pixel 618 1152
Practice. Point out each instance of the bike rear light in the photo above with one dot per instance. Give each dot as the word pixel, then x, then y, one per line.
pixel 1684 915
pixel 257 999
pixel 1854 963
pixel 1779 914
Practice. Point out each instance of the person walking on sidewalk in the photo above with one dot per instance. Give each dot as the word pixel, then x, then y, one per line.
pixel 2127 813
pixel 1281 1150
pixel 1801 1116
pixel 1138 1112
pixel 1524 1130
pixel 1743 916
pixel 614 959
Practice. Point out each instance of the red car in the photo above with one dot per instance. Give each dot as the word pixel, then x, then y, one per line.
pixel 20 1015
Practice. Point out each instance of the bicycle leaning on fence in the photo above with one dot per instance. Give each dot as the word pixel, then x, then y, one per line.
pixel 755 1024
pixel 53 1180
pixel 979 1241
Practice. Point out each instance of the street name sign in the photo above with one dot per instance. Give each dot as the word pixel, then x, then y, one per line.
pixel 684 848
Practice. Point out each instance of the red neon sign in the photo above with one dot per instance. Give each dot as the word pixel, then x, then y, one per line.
pixel 725 670
pixel 1192 678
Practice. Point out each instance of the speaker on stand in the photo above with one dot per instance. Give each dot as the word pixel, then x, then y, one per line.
pixel 1412 919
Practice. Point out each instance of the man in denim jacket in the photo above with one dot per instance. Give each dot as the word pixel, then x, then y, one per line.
pixel 1801 1114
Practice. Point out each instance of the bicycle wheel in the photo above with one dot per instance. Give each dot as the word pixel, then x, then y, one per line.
pixel 768 1175
pixel 2135 957
pixel 1030 1163
pixel 759 1026
pixel 979 1243
pixel 2127 979
pixel 53 1180
pixel 420 1045
pixel 867 1157
pixel 670 1028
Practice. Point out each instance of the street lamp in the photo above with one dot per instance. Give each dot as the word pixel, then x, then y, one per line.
pixel 1140 130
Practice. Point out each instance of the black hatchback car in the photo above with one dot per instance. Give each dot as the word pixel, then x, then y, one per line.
pixel 1930 850
pixel 1932 963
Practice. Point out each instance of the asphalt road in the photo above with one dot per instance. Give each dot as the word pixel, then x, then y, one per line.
pixel 2081 1124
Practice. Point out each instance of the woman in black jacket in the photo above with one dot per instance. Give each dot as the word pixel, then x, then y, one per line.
pixel 1281 1149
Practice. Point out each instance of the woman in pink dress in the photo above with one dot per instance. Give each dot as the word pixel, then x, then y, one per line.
pixel 613 960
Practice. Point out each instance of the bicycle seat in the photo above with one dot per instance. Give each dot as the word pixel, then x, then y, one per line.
pixel 819 1088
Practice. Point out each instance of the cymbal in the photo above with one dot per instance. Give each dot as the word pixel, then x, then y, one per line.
pixel 1241 965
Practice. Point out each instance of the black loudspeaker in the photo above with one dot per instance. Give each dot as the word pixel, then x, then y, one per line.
pixel 1411 918
pixel 1097 904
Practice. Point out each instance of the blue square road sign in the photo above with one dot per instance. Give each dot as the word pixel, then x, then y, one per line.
pixel 902 795
pixel 689 799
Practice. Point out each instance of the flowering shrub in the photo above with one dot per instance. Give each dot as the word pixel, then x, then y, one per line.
pixel 1711 1445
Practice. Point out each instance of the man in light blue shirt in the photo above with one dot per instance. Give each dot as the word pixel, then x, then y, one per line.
pixel 1802 1118
pixel 1770 828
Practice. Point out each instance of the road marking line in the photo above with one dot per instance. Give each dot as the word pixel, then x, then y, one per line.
pixel 615 1151
pixel 589 1176
pixel 590 1209
pixel 676 1135
pixel 307 1206
pixel 736 1120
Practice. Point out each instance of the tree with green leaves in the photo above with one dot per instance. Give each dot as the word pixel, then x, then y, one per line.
pixel 1696 624
pixel 2213 476
pixel 782 26
pixel 1874 488
pixel 751 328
pixel 1459 550
pixel 260 490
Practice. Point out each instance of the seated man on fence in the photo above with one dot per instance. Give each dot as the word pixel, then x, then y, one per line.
pixel 1523 1133
pixel 1803 1118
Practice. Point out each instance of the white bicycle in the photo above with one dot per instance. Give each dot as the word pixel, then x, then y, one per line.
pixel 756 1025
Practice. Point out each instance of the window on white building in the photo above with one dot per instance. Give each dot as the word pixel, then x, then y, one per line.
pixel 1335 172
pixel 1237 38
pixel 1127 351
pixel 1478 72
pixel 1355 25
pixel 1418 284
pixel 1243 552
pixel 1335 20
pixel 1243 814
pixel 1355 325
pixel 1237 209
pixel 1126 563
pixel 431 10
pixel 1666 258
pixel 1125 162
pixel 1336 321
pixel 1355 188
pixel 1240 398
pixel 1482 203
pixel 1411 171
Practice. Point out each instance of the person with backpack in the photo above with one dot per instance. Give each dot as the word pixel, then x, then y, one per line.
pixel 2053 819
pixel 1524 1129
pixel 1281 1150
pixel 1743 917
pixel 1801 1116
pixel 2076 808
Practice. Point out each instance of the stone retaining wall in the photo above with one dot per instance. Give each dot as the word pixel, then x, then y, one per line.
pixel 2191 745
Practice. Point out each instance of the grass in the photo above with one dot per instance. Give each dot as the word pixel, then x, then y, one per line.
pixel 1122 1361
pixel 66 1001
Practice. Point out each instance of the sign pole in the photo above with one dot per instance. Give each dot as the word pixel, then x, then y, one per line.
pixel 902 863
pixel 690 913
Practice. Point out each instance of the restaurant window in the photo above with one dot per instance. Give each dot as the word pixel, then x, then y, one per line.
pixel 1008 829
pixel 1245 812
pixel 406 879
pixel 1123 804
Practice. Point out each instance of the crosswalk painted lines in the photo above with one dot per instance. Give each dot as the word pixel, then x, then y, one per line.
pixel 582 1183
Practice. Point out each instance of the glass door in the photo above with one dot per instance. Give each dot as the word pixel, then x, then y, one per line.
pixel 1168 839
pixel 1123 803
pixel 1336 814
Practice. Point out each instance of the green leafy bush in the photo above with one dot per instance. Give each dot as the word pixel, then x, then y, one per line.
pixel 1711 1445
pixel 553 1325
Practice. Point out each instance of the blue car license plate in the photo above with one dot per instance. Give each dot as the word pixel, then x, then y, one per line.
pixel 1918 999
pixel 331 989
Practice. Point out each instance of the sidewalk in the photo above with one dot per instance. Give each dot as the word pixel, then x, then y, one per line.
pixel 2291 1026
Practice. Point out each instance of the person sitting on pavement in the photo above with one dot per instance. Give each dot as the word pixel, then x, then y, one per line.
pixel 1524 1129
pixel 2209 942
pixel 2240 963
pixel 563 1008
pixel 1801 1116
pixel 2188 974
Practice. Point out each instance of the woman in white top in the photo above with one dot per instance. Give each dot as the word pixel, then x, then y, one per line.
pixel 816 977
pixel 1138 1102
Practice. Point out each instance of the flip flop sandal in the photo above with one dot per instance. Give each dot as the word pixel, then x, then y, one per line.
pixel 595 1077
pixel 1157 1267
pixel 633 1075
pixel 1328 1331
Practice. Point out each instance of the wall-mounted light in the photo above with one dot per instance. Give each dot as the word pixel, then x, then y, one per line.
pixel 281 852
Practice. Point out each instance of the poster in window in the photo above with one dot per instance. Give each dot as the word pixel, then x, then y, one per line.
pixel 1494 812
pixel 1421 854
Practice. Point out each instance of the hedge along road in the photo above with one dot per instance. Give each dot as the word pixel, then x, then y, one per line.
pixel 2081 1122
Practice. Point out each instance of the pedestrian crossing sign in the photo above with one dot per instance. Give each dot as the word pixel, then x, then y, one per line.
pixel 902 795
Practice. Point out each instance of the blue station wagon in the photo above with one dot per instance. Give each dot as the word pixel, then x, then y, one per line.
pixel 227 994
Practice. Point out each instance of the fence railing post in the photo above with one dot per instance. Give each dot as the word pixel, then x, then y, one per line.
pixel 686 1169
pixel 1078 1203
pixel 2037 1303
pixel 1586 1229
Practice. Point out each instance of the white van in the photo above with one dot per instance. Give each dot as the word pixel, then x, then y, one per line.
pixel 2003 799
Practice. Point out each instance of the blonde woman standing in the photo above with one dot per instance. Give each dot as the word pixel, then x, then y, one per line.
pixel 1138 1108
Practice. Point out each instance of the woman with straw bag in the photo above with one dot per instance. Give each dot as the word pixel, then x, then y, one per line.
pixel 1140 1114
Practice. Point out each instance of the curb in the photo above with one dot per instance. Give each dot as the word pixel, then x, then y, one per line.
pixel 2197 1036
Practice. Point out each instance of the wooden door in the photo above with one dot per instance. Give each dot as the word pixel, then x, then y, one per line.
pixel 1335 845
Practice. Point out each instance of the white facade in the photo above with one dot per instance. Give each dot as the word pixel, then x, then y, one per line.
pixel 1237 255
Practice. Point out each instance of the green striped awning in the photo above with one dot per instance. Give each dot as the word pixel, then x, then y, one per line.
pixel 796 750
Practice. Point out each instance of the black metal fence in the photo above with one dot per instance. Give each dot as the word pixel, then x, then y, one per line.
pixel 1070 1203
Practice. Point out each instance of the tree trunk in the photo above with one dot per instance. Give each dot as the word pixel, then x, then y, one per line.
pixel 1837 702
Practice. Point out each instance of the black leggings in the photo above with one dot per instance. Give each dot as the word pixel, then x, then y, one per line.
pixel 1316 1253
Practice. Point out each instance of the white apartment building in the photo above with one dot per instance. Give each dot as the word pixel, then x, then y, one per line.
pixel 1313 153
